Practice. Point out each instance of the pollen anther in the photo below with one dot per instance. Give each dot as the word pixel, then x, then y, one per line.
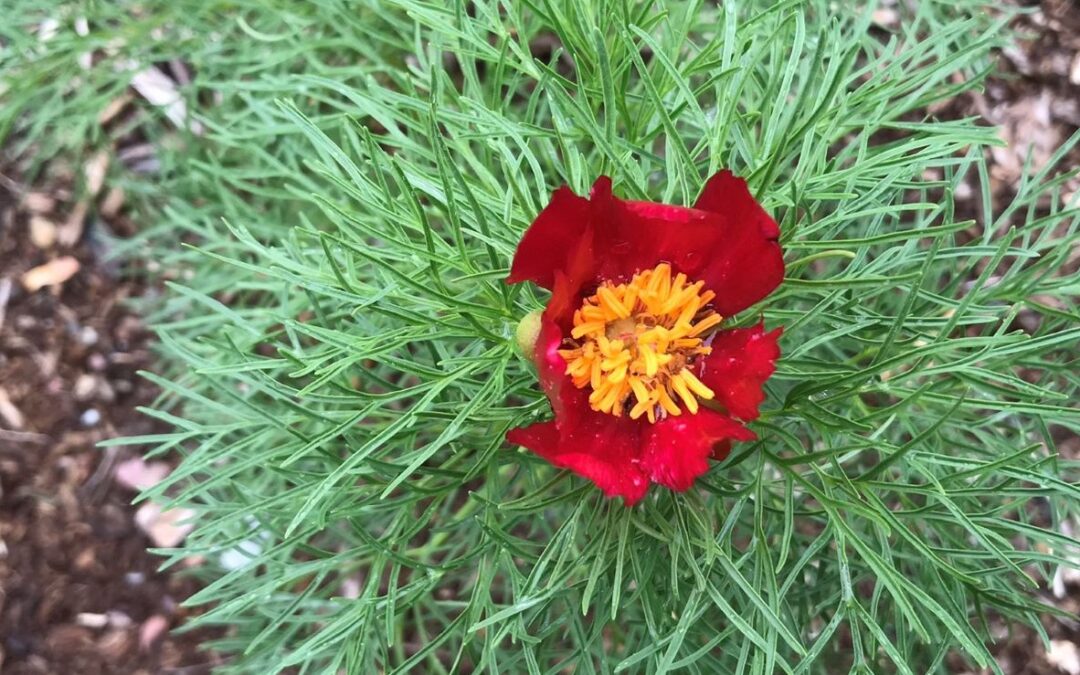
pixel 636 345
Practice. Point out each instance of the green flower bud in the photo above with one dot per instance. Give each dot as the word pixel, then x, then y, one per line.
pixel 528 330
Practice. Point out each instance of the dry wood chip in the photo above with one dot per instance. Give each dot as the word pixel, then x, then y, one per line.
pixel 38 202
pixel 11 415
pixel 42 232
pixel 113 202
pixel 71 231
pixel 115 107
pixel 151 630
pixel 51 273
pixel 161 90
pixel 95 170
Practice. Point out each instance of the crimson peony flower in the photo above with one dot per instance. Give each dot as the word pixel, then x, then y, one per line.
pixel 644 383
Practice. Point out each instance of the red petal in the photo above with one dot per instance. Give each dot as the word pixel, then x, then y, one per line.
pixel 727 240
pixel 556 233
pixel 606 453
pixel 551 366
pixel 597 446
pixel 727 194
pixel 677 449
pixel 740 362
pixel 566 292
pixel 747 264
pixel 542 437
pixel 631 236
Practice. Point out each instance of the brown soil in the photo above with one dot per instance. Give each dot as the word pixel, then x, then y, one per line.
pixel 79 594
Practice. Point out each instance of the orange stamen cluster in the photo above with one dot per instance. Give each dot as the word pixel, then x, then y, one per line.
pixel 635 344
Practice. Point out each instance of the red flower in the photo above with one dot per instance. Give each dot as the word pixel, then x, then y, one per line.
pixel 643 384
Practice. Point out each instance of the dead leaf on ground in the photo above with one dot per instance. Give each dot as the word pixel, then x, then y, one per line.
pixel 1027 127
pixel 138 474
pixel 166 528
pixel 113 202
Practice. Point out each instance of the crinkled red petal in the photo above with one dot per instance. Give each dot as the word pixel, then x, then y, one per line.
pixel 632 236
pixel 746 264
pixel 676 450
pixel 740 362
pixel 597 446
pixel 549 242
pixel 727 240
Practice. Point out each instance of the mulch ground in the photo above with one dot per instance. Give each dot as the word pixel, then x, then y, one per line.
pixel 78 592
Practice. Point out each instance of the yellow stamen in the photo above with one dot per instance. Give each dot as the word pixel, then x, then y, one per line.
pixel 668 403
pixel 696 385
pixel 611 304
pixel 652 365
pixel 705 324
pixel 636 345
pixel 688 399
pixel 582 329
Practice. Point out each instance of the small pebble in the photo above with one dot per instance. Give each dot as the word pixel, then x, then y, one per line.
pixel 96 362
pixel 134 578
pixel 168 604
pixel 88 336
pixel 118 619
pixel 1065 656
pixel 90 417
pixel 84 387
pixel 104 391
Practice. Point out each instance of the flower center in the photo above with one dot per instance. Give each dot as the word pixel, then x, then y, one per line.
pixel 636 344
